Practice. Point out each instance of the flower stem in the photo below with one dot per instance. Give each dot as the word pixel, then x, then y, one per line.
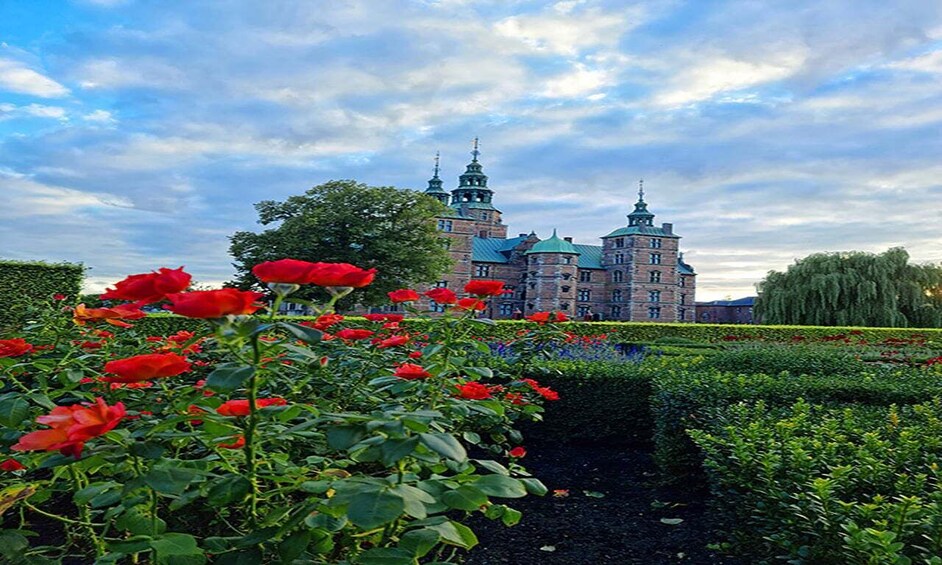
pixel 251 424
pixel 85 514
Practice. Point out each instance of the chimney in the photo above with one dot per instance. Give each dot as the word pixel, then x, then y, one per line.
pixel 569 239
pixel 669 228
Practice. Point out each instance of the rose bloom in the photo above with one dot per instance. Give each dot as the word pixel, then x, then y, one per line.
pixel 403 295
pixel 410 371
pixel 543 317
pixel 71 427
pixel 415 354
pixel 518 452
pixel 393 341
pixel 214 303
pixel 485 288
pixel 470 304
pixel 241 407
pixel 353 334
pixel 58 297
pixel 11 465
pixel 239 443
pixel 340 274
pixel 474 391
pixel 145 367
pixel 442 296
pixel 112 315
pixel 375 317
pixel 149 287
pixel 14 347
pixel 287 271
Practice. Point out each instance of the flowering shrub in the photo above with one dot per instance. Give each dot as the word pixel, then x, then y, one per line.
pixel 256 440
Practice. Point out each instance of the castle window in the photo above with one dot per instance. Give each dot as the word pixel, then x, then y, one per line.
pixel 616 312
pixel 567 276
pixel 444 225
pixel 585 276
pixel 441 284
pixel 484 215
pixel 616 295
pixel 654 296
pixel 656 243
pixel 435 306
pixel 564 306
pixel 683 298
pixel 683 281
pixel 619 258
pixel 506 309
pixel 530 306
pixel 484 234
pixel 567 260
pixel 619 242
pixel 617 276
pixel 583 311
pixel 655 258
pixel 654 312
pixel 482 270
pixel 585 295
pixel 656 276
pixel 566 288
pixel 682 314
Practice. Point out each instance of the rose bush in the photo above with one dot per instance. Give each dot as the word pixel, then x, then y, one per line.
pixel 256 440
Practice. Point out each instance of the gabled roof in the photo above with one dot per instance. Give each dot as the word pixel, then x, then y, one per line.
pixel 641 230
pixel 590 256
pixel 684 268
pixel 493 249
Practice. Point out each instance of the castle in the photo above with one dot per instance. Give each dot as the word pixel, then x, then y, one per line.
pixel 638 273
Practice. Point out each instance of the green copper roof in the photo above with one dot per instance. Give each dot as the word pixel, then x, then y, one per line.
pixel 492 249
pixel 474 205
pixel 553 245
pixel 641 230
pixel 590 256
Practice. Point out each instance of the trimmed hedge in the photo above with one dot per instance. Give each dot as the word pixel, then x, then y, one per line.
pixel 690 395
pixel 632 332
pixel 25 283
pixel 814 484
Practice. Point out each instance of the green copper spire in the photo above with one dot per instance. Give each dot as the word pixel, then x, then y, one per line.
pixel 435 184
pixel 553 245
pixel 641 216
pixel 472 184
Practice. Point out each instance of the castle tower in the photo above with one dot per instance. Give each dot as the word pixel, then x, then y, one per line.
pixel 552 274
pixel 435 189
pixel 473 199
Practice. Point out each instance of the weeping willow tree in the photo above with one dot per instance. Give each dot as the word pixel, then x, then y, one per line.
pixel 853 289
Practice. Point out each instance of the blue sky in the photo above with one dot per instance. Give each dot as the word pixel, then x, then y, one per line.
pixel 136 134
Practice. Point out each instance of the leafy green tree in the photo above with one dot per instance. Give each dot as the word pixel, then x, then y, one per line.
pixel 853 289
pixel 344 221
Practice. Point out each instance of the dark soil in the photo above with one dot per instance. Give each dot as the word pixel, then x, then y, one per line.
pixel 622 526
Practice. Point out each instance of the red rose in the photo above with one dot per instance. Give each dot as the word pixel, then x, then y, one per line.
pixel 58 297
pixel 114 315
pixel 11 465
pixel 410 372
pixel 324 322
pixel 287 271
pixel 474 391
pixel 239 443
pixel 548 393
pixel 415 354
pixel 14 347
pixel 543 317
pixel 442 296
pixel 71 427
pixel 470 304
pixel 485 288
pixel 241 407
pixel 145 367
pixel 394 318
pixel 214 303
pixel 393 341
pixel 352 334
pixel 340 274
pixel 375 317
pixel 403 295
pixel 149 287
pixel 518 452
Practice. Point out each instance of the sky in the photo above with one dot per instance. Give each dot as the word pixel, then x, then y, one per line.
pixel 136 134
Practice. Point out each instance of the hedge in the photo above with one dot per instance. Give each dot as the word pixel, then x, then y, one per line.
pixel 632 332
pixel 25 283
pixel 689 395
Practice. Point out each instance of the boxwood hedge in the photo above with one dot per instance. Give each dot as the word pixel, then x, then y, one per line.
pixel 24 283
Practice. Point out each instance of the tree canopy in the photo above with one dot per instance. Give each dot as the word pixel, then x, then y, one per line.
pixel 853 289
pixel 344 221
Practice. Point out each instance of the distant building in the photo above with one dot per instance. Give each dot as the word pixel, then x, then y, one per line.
pixel 726 311
pixel 638 272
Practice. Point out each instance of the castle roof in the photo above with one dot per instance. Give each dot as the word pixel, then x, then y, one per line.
pixel 590 256
pixel 682 267
pixel 553 245
pixel 641 230
pixel 493 249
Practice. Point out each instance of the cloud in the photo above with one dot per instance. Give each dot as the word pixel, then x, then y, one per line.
pixel 16 77
pixel 9 111
pixel 565 31
pixel 128 73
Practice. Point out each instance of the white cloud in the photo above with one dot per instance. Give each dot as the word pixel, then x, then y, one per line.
pixel 927 63
pixel 8 111
pixel 563 32
pixel 16 77
pixel 27 197
pixel 99 116
pixel 123 73
pixel 581 81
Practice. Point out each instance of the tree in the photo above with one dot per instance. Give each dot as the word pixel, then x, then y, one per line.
pixel 345 221
pixel 853 289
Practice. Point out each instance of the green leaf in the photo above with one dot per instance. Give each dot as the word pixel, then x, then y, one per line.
pixel 175 544
pixel 445 445
pixel 12 544
pixel 304 333
pixel 344 437
pixel 147 450
pixel 593 494
pixel 671 521
pixel 492 466
pixel 228 490
pixel 395 449
pixel 138 521
pixel 456 534
pixel 294 545
pixel 534 486
pixel 226 379
pixel 248 556
pixel 83 496
pixel 14 410
pixel 386 556
pixel 369 510
pixel 465 498
pixel 511 517
pixel 169 480
pixel 501 486
pixel 481 372
pixel 134 544
pixel 415 500
pixel 419 542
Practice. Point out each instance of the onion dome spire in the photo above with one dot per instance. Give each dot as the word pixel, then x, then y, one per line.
pixel 435 189
pixel 641 216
